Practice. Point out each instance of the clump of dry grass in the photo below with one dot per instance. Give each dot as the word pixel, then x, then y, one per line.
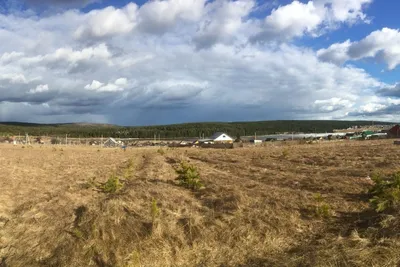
pixel 258 208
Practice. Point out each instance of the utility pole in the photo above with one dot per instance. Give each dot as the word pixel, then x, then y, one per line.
pixel 66 139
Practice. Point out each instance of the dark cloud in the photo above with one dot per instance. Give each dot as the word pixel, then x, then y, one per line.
pixel 21 94
pixel 390 92
pixel 360 49
pixel 393 109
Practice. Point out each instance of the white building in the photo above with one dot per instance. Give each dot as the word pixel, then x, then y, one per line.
pixel 111 142
pixel 220 137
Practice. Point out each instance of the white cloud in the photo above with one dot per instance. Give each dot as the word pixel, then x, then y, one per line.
pixel 8 57
pixel 94 85
pixel 13 78
pixel 112 62
pixel 293 20
pixel 222 22
pixel 153 17
pixel 336 53
pixel 332 104
pixel 371 107
pixel 119 85
pixel 159 16
pixel 383 45
pixel 121 81
pixel 349 11
pixel 108 22
pixel 39 89
pixel 312 18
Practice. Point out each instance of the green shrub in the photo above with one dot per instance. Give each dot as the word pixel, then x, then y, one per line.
pixel 323 209
pixel 188 176
pixel 385 192
pixel 155 211
pixel 112 185
pixel 161 151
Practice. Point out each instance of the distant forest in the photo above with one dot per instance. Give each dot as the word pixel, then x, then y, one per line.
pixel 177 130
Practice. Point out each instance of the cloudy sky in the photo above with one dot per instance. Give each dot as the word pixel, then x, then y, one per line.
pixel 171 61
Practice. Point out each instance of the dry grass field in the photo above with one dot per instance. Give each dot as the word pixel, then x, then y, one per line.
pixel 276 205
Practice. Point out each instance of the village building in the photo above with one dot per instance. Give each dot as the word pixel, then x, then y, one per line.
pixel 111 142
pixel 256 141
pixel 220 137
pixel 394 132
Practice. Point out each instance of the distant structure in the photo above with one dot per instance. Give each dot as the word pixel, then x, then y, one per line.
pixel 394 132
pixel 220 137
pixel 256 141
pixel 111 142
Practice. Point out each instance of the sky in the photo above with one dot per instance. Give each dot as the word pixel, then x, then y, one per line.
pixel 172 61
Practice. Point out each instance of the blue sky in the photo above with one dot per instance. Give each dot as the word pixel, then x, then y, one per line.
pixel 168 61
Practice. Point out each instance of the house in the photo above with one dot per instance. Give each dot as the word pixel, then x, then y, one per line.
pixel 220 137
pixel 394 132
pixel 111 142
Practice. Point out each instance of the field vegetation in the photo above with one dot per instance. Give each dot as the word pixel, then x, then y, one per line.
pixel 282 204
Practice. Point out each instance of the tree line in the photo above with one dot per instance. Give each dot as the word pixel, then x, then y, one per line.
pixel 178 130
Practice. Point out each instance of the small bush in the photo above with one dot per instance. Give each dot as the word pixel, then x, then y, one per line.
pixel 155 211
pixel 112 185
pixel 285 153
pixel 161 151
pixel 188 176
pixel 323 209
pixel 130 164
pixel 128 171
pixel 385 192
pixel 78 234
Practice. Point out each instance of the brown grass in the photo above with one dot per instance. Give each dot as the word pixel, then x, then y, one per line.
pixel 258 207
